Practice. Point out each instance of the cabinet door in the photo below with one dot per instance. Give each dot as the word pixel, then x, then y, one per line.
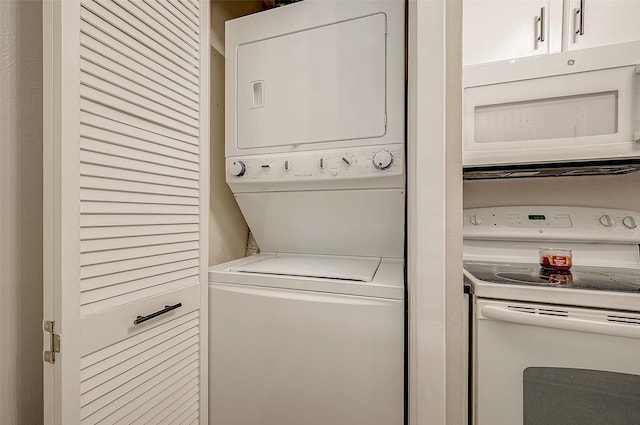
pixel 593 23
pixel 508 29
pixel 125 208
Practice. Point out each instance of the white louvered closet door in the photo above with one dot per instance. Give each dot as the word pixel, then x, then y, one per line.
pixel 126 183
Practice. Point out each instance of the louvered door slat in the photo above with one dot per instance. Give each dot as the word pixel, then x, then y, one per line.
pixel 108 136
pixel 170 26
pixel 187 411
pixel 98 220
pixel 160 29
pixel 137 88
pixel 95 126
pixel 156 335
pixel 146 385
pixel 139 276
pixel 128 197
pixel 122 42
pixel 94 91
pixel 171 7
pixel 132 164
pixel 101 47
pixel 135 241
pixel 113 16
pixel 135 263
pixel 170 407
pixel 115 375
pixel 110 173
pixel 185 28
pixel 106 148
pixel 89 233
pixel 108 256
pixel 95 183
pixel 130 122
pixel 191 419
pixel 191 10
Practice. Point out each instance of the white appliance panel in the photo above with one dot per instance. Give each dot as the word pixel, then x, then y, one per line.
pixel 347 268
pixel 315 75
pixel 366 223
pixel 318 85
pixel 298 357
pixel 515 341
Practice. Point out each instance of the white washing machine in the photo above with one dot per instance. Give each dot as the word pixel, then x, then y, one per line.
pixel 311 331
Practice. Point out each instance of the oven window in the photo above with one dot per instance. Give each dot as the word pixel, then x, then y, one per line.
pixel 563 396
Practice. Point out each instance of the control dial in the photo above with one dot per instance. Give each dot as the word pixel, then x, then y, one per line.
pixel 475 220
pixel 382 159
pixel 606 220
pixel 237 168
pixel 629 222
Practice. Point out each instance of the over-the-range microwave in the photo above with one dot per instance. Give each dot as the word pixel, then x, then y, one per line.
pixel 569 107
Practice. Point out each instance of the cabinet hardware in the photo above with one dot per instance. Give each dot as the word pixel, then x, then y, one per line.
pixel 166 309
pixel 578 20
pixel 541 26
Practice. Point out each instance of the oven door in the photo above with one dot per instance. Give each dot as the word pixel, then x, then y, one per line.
pixel 544 364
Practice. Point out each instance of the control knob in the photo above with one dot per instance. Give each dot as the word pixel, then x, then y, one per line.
pixel 629 222
pixel 237 168
pixel 475 219
pixel 606 220
pixel 382 159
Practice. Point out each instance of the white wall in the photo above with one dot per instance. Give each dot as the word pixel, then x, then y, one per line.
pixel 434 251
pixel 227 228
pixel 592 191
pixel 20 212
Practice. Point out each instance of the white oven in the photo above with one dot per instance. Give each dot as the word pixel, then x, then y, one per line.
pixel 552 346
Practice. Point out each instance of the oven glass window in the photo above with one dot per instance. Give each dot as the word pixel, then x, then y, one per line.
pixel 563 396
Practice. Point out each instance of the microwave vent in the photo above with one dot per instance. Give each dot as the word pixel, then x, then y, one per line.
pixel 566 169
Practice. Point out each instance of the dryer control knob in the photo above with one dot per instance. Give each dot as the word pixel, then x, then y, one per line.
pixel 237 169
pixel 475 219
pixel 606 220
pixel 629 222
pixel 382 160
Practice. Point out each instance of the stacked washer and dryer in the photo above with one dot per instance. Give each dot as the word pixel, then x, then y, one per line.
pixel 311 331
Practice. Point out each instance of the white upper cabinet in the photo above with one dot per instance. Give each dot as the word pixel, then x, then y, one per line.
pixel 496 30
pixel 594 23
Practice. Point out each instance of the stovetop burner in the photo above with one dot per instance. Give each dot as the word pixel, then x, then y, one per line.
pixel 579 277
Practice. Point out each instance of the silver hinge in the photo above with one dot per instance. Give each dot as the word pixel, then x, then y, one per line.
pixel 49 355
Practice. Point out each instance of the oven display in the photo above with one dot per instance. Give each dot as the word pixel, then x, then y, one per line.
pixel 537 217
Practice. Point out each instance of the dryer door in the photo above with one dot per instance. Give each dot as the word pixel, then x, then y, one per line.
pixel 322 84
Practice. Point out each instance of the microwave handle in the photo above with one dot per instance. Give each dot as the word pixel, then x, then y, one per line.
pixel 558 322
pixel 636 133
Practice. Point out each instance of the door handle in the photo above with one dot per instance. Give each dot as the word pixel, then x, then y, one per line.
pixel 541 26
pixel 557 322
pixel 578 21
pixel 166 309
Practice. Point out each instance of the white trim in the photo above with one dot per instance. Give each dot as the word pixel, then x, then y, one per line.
pixel 434 190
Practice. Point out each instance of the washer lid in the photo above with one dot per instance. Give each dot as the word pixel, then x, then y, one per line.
pixel 361 269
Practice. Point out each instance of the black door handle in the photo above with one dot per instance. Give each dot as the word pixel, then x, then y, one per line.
pixel 166 309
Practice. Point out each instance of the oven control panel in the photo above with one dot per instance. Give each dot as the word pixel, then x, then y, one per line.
pixel 552 223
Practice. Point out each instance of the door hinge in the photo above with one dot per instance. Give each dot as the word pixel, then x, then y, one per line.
pixel 49 355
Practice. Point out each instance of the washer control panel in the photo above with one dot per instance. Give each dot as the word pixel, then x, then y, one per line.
pixel 355 163
pixel 553 223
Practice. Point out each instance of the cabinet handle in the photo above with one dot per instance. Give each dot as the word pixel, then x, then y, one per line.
pixel 636 134
pixel 166 309
pixel 578 20
pixel 541 26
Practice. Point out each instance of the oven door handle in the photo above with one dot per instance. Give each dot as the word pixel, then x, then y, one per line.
pixel 558 322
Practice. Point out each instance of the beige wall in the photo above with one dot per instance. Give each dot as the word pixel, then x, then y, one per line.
pixel 596 191
pixel 20 212
pixel 227 229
